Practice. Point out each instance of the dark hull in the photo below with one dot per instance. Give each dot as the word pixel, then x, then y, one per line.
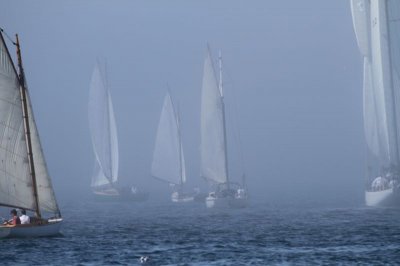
pixel 137 197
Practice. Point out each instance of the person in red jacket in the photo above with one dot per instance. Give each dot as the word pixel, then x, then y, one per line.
pixel 15 219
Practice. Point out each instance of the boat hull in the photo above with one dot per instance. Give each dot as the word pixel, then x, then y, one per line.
pixel 226 202
pixel 384 198
pixel 138 197
pixel 182 199
pixel 120 195
pixel 52 228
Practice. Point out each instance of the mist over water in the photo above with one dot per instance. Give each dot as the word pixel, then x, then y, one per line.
pixel 292 75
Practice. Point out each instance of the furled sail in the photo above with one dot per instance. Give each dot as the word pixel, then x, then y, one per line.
pixel 47 199
pixel 168 162
pixel 213 157
pixel 15 179
pixel 103 129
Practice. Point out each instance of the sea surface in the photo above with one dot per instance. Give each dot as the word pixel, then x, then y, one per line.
pixel 120 233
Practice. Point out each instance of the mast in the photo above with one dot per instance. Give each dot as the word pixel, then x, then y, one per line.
pixel 105 81
pixel 392 92
pixel 109 120
pixel 178 121
pixel 223 118
pixel 21 77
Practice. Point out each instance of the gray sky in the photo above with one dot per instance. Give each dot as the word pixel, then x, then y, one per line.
pixel 292 67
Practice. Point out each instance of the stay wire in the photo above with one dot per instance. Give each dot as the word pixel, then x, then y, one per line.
pixel 235 120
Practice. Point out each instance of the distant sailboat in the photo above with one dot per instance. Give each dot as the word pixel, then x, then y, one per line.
pixel 168 158
pixel 105 143
pixel 377 28
pixel 214 156
pixel 24 179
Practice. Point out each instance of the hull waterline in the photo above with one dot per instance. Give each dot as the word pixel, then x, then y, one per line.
pixel 179 197
pixel 137 197
pixel 52 228
pixel 226 202
pixel 182 200
pixel 383 198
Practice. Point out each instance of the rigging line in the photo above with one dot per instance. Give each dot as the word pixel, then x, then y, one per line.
pixel 237 131
pixel 8 36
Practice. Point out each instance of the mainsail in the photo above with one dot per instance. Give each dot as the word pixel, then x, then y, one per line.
pixel 213 143
pixel 16 180
pixel 377 27
pixel 168 158
pixel 103 131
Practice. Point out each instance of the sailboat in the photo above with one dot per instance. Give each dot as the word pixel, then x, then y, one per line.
pixel 168 159
pixel 377 28
pixel 105 143
pixel 24 179
pixel 214 155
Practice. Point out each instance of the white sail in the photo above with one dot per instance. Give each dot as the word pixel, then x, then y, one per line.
pixel 393 21
pixel 15 179
pixel 382 58
pixel 47 199
pixel 213 157
pixel 98 178
pixel 375 127
pixel 167 158
pixel 370 112
pixel 103 128
pixel 360 10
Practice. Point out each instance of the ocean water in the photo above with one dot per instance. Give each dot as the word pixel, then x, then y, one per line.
pixel 119 233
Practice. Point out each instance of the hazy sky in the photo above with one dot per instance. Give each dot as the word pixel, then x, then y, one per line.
pixel 292 67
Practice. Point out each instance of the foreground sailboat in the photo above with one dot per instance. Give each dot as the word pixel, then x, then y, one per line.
pixel 168 159
pixel 105 144
pixel 24 179
pixel 377 28
pixel 214 156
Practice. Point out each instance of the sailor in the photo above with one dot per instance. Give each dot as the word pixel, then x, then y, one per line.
pixel 15 219
pixel 24 218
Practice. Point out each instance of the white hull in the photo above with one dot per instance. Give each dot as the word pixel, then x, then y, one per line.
pixel 51 228
pixel 115 195
pixel 176 198
pixel 182 200
pixel 226 202
pixel 383 198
